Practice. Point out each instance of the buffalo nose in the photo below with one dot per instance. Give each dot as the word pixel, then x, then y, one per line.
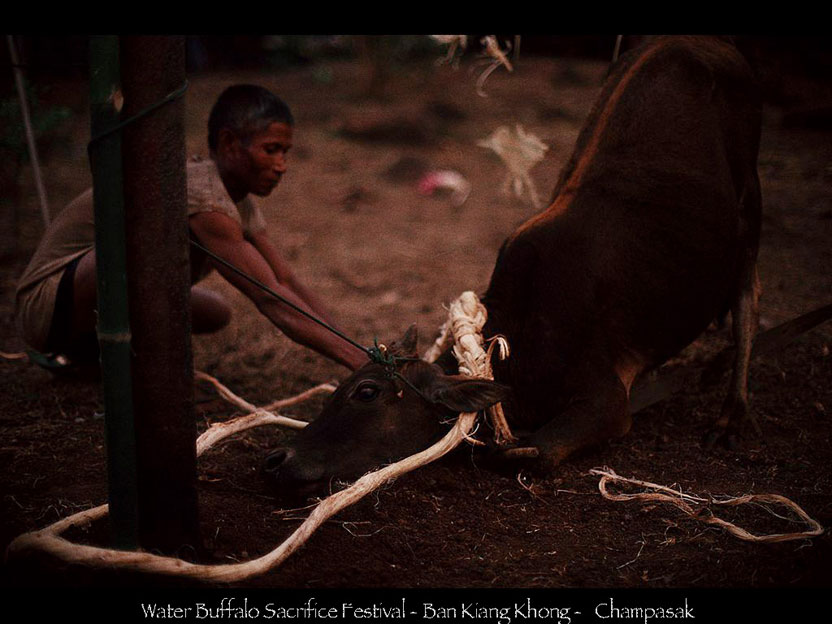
pixel 276 459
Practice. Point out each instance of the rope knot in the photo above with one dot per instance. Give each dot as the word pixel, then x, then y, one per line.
pixel 466 319
pixel 380 354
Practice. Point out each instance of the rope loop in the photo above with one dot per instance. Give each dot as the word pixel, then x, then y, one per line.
pixel 703 513
pixel 170 97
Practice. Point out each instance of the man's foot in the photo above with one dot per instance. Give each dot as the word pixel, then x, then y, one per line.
pixel 61 366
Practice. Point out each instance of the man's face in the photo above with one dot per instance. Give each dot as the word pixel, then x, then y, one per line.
pixel 261 162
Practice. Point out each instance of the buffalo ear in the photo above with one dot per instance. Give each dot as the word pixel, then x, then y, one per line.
pixel 406 346
pixel 466 394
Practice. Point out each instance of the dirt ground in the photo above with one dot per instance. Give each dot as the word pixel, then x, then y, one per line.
pixel 350 219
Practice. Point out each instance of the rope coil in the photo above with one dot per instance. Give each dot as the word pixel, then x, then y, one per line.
pixel 687 502
pixel 49 539
pixel 465 323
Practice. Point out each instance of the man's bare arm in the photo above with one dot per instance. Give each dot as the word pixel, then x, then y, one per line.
pixel 224 237
pixel 287 277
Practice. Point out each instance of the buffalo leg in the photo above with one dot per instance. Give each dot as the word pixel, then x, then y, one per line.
pixel 594 415
pixel 745 316
pixel 735 410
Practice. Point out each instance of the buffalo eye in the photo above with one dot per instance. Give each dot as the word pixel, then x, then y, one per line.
pixel 366 392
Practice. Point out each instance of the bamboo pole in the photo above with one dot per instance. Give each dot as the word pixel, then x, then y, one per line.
pixel 113 323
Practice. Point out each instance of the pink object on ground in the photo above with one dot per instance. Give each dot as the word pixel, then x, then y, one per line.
pixel 446 179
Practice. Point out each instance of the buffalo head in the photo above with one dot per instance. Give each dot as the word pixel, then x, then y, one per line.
pixel 375 418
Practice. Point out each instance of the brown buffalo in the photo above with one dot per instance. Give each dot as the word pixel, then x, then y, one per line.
pixel 652 234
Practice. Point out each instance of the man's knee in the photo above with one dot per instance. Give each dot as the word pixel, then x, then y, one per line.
pixel 84 294
pixel 209 311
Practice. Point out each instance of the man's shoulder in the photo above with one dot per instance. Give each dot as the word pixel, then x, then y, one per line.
pixel 202 172
pixel 80 212
pixel 205 188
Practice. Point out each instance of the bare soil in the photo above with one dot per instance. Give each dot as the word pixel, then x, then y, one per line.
pixel 350 219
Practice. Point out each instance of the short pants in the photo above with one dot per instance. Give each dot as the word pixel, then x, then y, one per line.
pixel 81 348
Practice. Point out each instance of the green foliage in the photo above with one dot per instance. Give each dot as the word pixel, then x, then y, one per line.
pixel 44 121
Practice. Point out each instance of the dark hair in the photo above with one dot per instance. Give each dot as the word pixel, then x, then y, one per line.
pixel 246 109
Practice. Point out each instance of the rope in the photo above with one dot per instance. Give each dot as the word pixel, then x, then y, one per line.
pixel 374 354
pixel 466 323
pixel 466 318
pixel 492 49
pixel 378 353
pixel 520 151
pixel 686 503
pixel 49 539
pixel 170 97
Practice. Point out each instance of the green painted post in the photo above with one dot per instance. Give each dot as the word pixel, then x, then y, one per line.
pixel 113 320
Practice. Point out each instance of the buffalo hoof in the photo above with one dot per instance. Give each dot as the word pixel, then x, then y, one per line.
pixel 508 460
pixel 720 437
pixel 521 452
pixel 734 420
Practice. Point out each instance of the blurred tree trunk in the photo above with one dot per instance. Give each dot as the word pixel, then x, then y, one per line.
pixel 375 52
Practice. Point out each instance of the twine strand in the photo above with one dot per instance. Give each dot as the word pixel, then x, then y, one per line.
pixel 687 502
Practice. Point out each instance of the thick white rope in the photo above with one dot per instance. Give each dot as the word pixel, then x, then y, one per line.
pixel 463 329
pixel 49 539
pixel 465 322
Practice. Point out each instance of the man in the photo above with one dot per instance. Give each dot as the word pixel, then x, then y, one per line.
pixel 249 136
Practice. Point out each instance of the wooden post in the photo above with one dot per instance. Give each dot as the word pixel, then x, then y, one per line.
pixel 158 278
